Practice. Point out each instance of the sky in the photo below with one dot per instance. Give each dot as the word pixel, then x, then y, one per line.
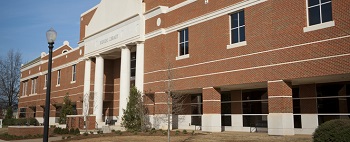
pixel 23 24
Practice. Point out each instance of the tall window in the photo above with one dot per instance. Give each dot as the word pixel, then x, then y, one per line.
pixel 74 71
pixel 133 64
pixel 45 80
pixel 58 77
pixel 25 85
pixel 183 42
pixel 237 27
pixel 320 11
pixel 33 86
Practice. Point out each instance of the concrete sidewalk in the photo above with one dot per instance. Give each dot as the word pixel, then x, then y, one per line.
pixel 35 140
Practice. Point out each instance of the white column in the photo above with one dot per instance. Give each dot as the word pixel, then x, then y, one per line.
pixel 86 87
pixel 139 66
pixel 124 79
pixel 98 93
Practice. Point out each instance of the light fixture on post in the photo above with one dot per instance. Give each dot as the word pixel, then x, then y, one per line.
pixel 51 37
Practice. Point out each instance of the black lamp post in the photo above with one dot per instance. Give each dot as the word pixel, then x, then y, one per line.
pixel 51 37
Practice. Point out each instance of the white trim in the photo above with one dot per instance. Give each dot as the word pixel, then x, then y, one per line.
pixel 211 100
pixel 180 5
pixel 183 57
pixel 91 9
pixel 206 17
pixel 319 26
pixel 54 69
pixel 162 103
pixel 250 54
pixel 159 93
pixel 274 81
pixel 72 82
pixel 250 68
pixel 280 97
pixel 165 9
pixel 155 12
pixel 208 88
pixel 238 44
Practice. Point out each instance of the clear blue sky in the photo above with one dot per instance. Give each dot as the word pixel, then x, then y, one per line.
pixel 23 24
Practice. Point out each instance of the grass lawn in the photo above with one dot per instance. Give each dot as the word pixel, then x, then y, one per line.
pixel 198 137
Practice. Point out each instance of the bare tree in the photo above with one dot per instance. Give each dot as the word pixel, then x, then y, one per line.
pixel 10 78
pixel 175 101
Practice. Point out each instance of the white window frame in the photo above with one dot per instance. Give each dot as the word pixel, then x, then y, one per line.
pixel 321 25
pixel 58 77
pixel 179 57
pixel 74 73
pixel 240 43
pixel 33 90
pixel 25 85
pixel 45 83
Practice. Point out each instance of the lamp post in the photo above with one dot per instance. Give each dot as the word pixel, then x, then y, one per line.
pixel 51 37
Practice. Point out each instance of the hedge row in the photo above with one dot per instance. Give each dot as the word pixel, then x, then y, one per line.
pixel 20 121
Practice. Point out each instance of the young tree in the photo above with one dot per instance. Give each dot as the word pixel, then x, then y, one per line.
pixel 135 114
pixel 10 78
pixel 67 109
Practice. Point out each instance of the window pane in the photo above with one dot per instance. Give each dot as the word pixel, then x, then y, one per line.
pixel 314 15
pixel 325 1
pixel 242 34
pixel 182 36
pixel 186 48
pixel 234 35
pixel 241 18
pixel 181 49
pixel 326 12
pixel 313 2
pixel 234 20
pixel 186 34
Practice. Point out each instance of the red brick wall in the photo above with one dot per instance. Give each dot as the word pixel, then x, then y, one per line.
pixel 26 130
pixel 160 101
pixel 236 106
pixel 211 101
pixel 309 105
pixel 280 97
pixel 270 26
pixel 78 122
pixel 84 21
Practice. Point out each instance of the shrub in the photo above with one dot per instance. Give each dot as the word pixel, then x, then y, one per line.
pixel 86 134
pixel 184 132
pixel 77 131
pixel 69 137
pixel 333 131
pixel 118 132
pixel 113 130
pixel 72 131
pixel 63 137
pixel 192 133
pixel 177 132
pixel 91 132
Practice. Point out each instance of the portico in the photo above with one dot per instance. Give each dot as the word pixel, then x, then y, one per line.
pixel 110 55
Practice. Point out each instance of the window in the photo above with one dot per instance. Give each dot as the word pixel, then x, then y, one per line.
pixel 133 64
pixel 237 27
pixel 45 80
pixel 33 86
pixel 25 85
pixel 74 71
pixel 58 77
pixel 183 42
pixel 320 11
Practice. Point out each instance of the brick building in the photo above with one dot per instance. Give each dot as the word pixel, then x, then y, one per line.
pixel 279 65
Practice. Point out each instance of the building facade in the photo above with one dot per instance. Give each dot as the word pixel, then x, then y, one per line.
pixel 274 65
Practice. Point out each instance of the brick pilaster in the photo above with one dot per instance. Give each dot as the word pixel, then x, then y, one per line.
pixel 280 101
pixel 160 103
pixel 308 101
pixel 52 111
pixel 39 111
pixel 211 101
pixel 280 97
pixel 236 105
pixel 148 100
